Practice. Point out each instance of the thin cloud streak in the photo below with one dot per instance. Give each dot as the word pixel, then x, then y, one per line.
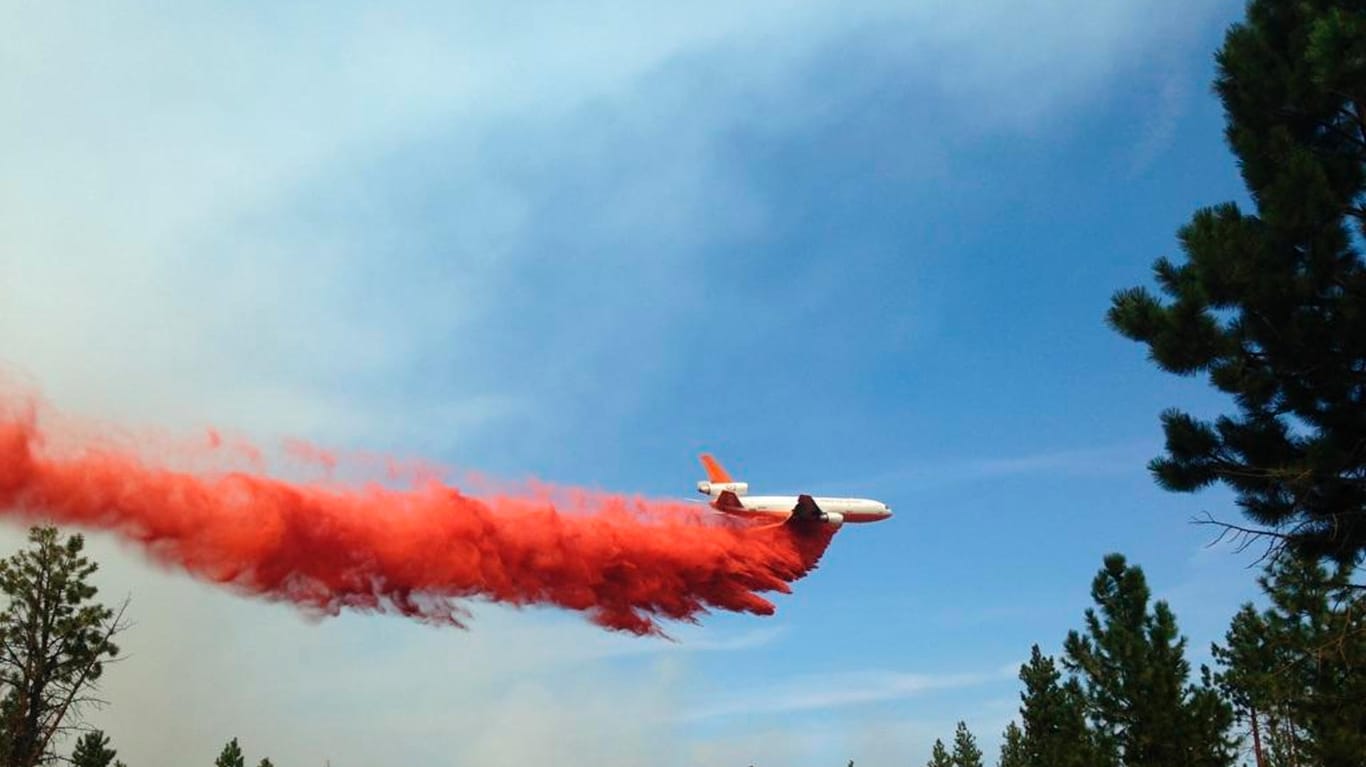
pixel 1160 129
pixel 608 646
pixel 1110 460
pixel 839 690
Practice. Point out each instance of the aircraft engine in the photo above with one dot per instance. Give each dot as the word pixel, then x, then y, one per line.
pixel 716 488
pixel 832 518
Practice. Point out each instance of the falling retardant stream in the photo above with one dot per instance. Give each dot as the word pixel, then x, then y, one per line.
pixel 418 550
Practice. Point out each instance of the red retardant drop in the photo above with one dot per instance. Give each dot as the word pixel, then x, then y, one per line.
pixel 625 562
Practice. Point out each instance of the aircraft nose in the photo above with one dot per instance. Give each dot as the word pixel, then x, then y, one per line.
pixel 886 511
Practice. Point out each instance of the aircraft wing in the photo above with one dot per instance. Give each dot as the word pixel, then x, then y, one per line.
pixel 806 508
pixel 730 502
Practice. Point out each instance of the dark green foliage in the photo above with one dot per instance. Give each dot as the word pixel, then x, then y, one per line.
pixel 965 750
pixel 267 763
pixel 1013 752
pixel 1054 717
pixel 1299 667
pixel 1260 694
pixel 939 756
pixel 53 641
pixel 1271 306
pixel 92 750
pixel 1133 664
pixel 231 756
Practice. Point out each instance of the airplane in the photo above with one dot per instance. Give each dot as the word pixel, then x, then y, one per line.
pixel 731 497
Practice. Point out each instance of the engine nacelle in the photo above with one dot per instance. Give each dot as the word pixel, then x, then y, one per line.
pixel 717 488
pixel 832 518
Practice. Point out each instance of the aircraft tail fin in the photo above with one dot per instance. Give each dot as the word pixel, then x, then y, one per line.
pixel 715 472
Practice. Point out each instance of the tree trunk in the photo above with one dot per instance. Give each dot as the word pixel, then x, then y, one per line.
pixel 1257 739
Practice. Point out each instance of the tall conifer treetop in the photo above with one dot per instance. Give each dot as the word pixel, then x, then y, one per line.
pixel 231 756
pixel 1271 304
pixel 965 750
pixel 1013 753
pixel 1053 715
pixel 1137 689
pixel 92 750
pixel 1297 671
pixel 54 641
pixel 939 756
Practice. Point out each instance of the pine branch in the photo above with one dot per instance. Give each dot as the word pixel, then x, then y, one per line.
pixel 1331 127
pixel 1244 537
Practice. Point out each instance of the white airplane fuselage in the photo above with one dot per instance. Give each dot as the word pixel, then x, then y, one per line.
pixel 852 510
pixel 731 497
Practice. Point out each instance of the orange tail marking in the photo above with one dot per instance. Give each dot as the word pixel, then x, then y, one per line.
pixel 714 471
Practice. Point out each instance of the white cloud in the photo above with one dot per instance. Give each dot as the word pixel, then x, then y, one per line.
pixel 139 279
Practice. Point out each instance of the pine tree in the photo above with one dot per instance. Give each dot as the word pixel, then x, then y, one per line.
pixel 965 750
pixel 939 756
pixel 92 750
pixel 1133 663
pixel 1271 305
pixel 54 640
pixel 231 755
pixel 1298 669
pixel 1258 693
pixel 1053 714
pixel 1013 752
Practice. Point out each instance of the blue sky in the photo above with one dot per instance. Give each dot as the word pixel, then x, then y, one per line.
pixel 855 248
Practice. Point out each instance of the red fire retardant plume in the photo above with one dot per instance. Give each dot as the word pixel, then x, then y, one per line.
pixel 624 562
